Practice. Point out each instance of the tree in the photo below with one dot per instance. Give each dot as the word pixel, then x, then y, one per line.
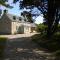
pixel 41 28
pixel 27 16
pixel 50 12
pixel 3 3
pixel 53 16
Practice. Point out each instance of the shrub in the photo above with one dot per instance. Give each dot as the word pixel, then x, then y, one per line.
pixel 2 45
pixel 57 55
pixel 58 28
pixel 41 28
pixel 52 44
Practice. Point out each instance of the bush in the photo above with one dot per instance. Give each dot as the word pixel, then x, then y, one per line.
pixel 58 28
pixel 3 41
pixel 40 39
pixel 52 44
pixel 41 28
pixel 57 55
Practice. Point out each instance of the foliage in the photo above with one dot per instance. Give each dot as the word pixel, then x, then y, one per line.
pixel 14 1
pixel 0 12
pixel 58 29
pixel 57 55
pixel 51 45
pixel 52 16
pixel 41 28
pixel 50 10
pixel 3 39
pixel 3 3
pixel 27 16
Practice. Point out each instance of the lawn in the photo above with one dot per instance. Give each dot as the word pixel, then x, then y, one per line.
pixel 3 41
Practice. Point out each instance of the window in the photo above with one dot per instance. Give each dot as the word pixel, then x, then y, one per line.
pixel 25 20
pixel 20 18
pixel 14 17
pixel 27 28
pixel 17 27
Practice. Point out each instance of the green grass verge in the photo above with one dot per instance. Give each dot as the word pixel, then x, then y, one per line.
pixel 3 41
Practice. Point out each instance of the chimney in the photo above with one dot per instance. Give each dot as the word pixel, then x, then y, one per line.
pixel 5 11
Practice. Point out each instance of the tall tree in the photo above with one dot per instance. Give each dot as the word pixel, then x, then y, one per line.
pixel 50 10
pixel 27 16
pixel 53 16
pixel 3 3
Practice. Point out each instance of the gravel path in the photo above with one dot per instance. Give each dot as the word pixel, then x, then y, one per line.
pixel 22 48
pixel 18 35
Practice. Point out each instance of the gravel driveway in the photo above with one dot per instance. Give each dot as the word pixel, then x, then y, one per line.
pixel 18 35
pixel 20 47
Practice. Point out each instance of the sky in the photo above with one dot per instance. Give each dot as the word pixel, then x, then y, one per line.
pixel 39 19
pixel 17 11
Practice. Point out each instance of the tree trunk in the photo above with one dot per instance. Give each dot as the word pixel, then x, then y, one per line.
pixel 50 14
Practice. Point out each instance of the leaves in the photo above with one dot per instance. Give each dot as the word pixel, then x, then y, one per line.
pixel 27 15
pixel 2 2
pixel 14 1
pixel 26 3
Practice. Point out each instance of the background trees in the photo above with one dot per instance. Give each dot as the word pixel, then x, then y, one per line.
pixel 41 28
pixel 3 3
pixel 49 8
pixel 27 16
pixel 53 16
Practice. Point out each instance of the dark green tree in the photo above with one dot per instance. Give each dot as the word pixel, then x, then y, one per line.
pixel 27 16
pixel 50 10
pixel 3 3
pixel 53 16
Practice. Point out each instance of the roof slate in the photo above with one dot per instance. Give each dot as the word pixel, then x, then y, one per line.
pixel 10 16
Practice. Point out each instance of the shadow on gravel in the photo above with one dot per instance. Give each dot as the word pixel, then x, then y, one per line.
pixel 22 49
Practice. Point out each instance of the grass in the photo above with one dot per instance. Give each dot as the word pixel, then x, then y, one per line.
pixel 3 41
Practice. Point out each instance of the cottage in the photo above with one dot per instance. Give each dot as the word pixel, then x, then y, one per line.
pixel 10 24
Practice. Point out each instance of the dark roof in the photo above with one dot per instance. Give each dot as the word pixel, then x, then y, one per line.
pixel 10 16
